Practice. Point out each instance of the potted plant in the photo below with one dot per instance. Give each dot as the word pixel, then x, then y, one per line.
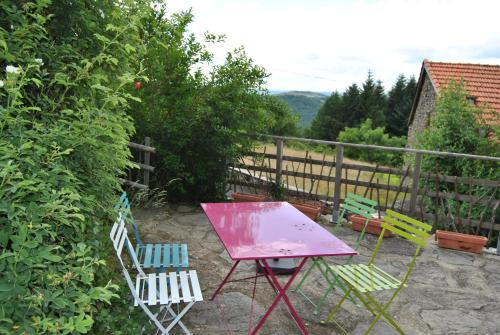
pixel 311 209
pixel 373 227
pixel 459 241
pixel 246 197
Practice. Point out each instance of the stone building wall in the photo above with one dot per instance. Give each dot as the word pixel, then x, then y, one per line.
pixel 423 112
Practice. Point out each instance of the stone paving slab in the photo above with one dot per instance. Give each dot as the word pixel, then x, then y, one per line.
pixel 449 292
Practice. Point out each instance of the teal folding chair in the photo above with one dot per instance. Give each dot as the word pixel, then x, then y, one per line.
pixel 158 256
pixel 353 204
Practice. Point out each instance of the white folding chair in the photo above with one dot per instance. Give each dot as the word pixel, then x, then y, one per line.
pixel 161 290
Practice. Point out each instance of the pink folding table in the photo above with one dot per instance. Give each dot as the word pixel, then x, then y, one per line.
pixel 259 231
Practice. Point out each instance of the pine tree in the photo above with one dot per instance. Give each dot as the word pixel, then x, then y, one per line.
pixel 325 125
pixel 351 107
pixel 399 105
pixel 373 101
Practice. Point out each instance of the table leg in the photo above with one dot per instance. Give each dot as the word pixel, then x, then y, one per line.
pixel 263 271
pixel 281 295
pixel 225 280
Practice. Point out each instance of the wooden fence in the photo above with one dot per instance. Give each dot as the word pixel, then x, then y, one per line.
pixel 425 195
pixel 140 178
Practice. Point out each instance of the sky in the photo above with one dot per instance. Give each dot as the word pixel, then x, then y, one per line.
pixel 323 46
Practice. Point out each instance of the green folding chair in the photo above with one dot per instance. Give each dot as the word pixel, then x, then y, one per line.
pixel 362 279
pixel 353 204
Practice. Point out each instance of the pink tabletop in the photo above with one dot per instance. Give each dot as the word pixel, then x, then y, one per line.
pixel 257 230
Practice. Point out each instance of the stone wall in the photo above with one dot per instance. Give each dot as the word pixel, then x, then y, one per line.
pixel 424 109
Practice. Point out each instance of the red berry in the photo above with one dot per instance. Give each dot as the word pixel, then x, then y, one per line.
pixel 138 85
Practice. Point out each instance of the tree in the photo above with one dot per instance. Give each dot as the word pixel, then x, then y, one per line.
pixel 325 125
pixel 351 108
pixel 281 119
pixel 373 101
pixel 366 133
pixel 457 126
pixel 399 103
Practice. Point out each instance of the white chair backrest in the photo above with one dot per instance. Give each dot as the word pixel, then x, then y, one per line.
pixel 119 237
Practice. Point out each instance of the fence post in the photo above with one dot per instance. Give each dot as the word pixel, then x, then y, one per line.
pixel 415 181
pixel 339 155
pixel 147 158
pixel 279 160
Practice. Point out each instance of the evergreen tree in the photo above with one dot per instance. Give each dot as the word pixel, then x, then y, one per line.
pixel 399 105
pixel 373 101
pixel 326 123
pixel 351 107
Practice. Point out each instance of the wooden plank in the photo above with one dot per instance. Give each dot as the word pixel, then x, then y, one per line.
pixel 166 255
pixel 339 154
pixel 148 256
pixel 415 180
pixel 186 293
pixel 138 290
pixel 146 167
pixel 152 289
pixel 184 254
pixel 133 184
pixel 196 285
pixel 175 255
pixel 157 258
pixel 141 147
pixel 162 277
pixel 174 288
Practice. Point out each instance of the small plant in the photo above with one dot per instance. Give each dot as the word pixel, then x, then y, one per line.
pixel 277 190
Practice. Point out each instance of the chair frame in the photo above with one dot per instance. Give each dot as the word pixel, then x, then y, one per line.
pixel 174 255
pixel 157 286
pixel 352 204
pixel 404 226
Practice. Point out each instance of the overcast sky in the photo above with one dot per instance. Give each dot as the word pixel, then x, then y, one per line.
pixel 320 45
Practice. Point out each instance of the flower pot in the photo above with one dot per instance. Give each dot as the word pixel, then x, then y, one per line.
pixel 459 241
pixel 373 227
pixel 245 197
pixel 312 211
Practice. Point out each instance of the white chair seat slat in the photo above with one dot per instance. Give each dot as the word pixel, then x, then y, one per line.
pixel 186 293
pixel 162 278
pixel 174 288
pixel 196 285
pixel 138 290
pixel 152 297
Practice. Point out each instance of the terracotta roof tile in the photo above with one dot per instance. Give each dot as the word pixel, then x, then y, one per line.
pixel 481 81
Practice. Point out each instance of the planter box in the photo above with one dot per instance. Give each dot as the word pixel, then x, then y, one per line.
pixel 312 211
pixel 373 227
pixel 245 197
pixel 459 241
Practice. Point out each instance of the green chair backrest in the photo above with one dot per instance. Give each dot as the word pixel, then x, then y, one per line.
pixel 356 204
pixel 406 227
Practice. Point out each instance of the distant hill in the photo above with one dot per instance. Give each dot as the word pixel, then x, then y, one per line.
pixel 304 104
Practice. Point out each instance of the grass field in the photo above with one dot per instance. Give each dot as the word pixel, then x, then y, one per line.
pixel 324 187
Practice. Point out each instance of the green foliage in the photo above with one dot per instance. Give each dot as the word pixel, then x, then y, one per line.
pixel 303 104
pixel 370 101
pixel 399 103
pixel 373 101
pixel 457 126
pixel 282 121
pixel 62 146
pixel 367 134
pixel 198 121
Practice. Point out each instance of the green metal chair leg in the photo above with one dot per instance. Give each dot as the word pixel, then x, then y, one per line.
pixel 307 273
pixel 382 311
pixel 336 308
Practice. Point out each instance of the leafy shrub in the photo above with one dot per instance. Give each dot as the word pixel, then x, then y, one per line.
pixel 197 121
pixel 66 71
pixel 366 134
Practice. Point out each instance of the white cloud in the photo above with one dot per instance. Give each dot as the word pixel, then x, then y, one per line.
pixel 324 45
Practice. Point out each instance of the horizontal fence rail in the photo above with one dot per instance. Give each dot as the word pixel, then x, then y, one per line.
pixel 142 155
pixel 457 203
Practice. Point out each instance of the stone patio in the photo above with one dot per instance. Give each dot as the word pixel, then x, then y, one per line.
pixel 449 292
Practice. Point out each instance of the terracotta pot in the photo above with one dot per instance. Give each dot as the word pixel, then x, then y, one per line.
pixel 245 197
pixel 459 241
pixel 373 227
pixel 312 211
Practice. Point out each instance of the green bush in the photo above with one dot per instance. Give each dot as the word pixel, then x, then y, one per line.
pixel 67 70
pixel 366 134
pixel 197 121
